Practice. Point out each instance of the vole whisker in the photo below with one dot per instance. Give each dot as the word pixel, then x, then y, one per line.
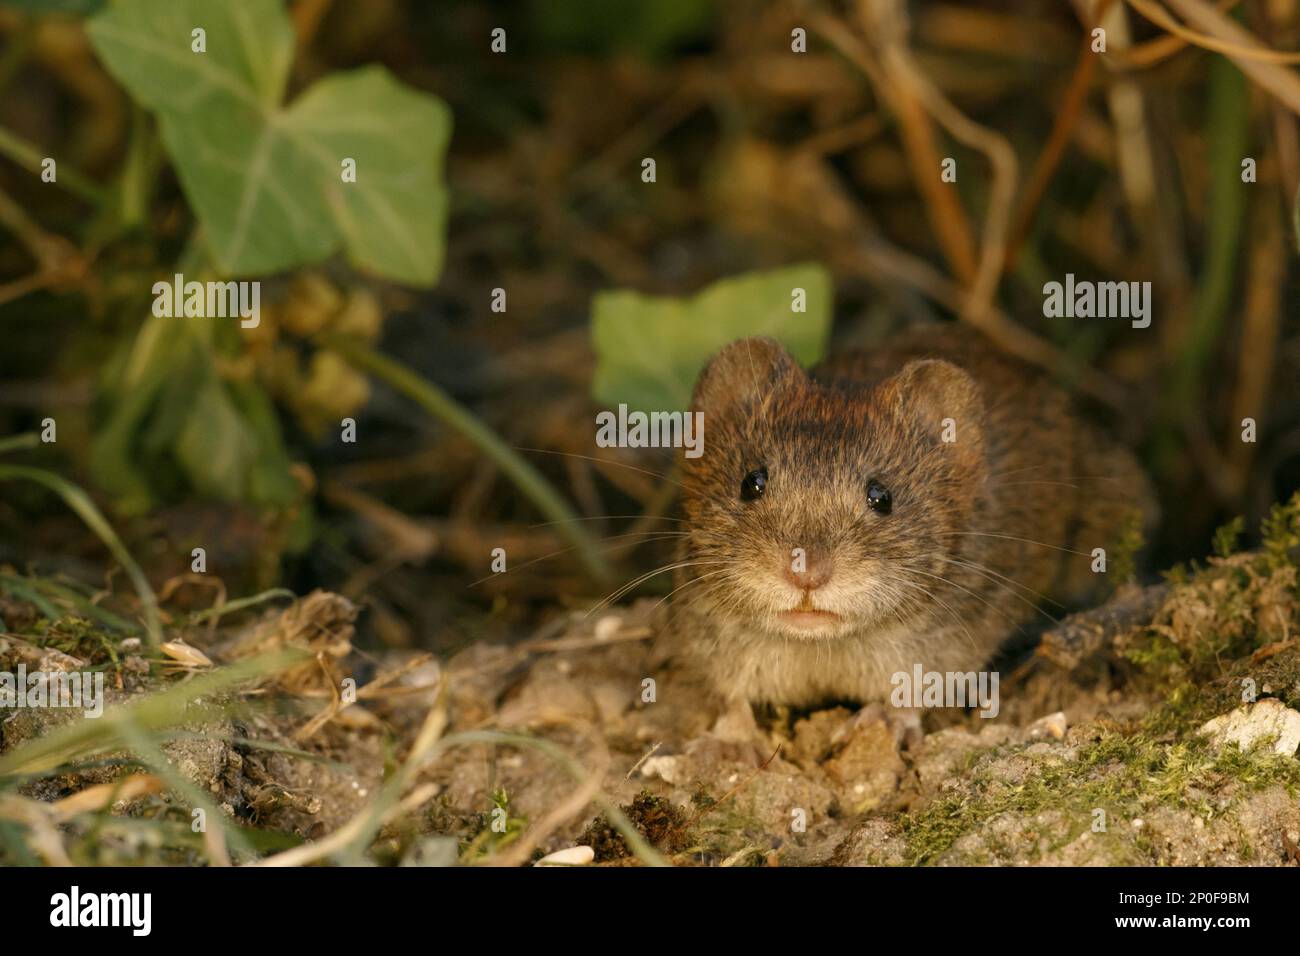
pixel 604 602
pixel 663 536
pixel 930 595
pixel 1059 484
pixel 989 574
pixel 1016 471
pixel 694 580
pixel 993 607
pixel 548 524
pixel 601 461
pixel 1011 537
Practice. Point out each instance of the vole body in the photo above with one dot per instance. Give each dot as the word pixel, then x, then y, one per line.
pixel 908 504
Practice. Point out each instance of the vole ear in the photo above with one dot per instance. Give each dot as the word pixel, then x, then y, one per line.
pixel 744 371
pixel 943 399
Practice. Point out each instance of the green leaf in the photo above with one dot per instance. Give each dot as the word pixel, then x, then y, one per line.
pixel 650 350
pixel 269 479
pixel 398 138
pixel 266 179
pixel 93 518
pixel 173 423
pixel 134 416
pixel 214 446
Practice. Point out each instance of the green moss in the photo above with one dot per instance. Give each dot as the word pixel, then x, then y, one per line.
pixel 1216 617
pixel 81 638
pixel 1126 775
pixel 1281 532
pixel 489 839
pixel 1218 641
pixel 1123 561
pixel 1227 536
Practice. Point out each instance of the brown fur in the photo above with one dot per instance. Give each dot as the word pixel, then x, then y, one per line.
pixel 979 528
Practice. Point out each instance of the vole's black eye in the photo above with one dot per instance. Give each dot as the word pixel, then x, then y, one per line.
pixel 754 484
pixel 878 497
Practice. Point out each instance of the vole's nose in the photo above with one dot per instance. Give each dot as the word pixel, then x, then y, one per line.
pixel 808 569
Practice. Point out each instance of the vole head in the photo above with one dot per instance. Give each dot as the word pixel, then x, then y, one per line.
pixel 818 510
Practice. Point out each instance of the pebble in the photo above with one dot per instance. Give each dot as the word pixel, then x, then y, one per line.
pixel 1053 725
pixel 665 768
pixel 571 856
pixel 608 626
pixel 1264 718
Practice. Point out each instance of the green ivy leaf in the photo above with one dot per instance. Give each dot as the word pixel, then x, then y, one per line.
pixel 265 179
pixel 214 446
pixel 650 350
pixel 173 423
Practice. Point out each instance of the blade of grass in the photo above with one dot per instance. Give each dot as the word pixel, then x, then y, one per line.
pixel 75 601
pixel 271 746
pixel 154 711
pixel 80 502
pixel 446 409
pixel 19 442
pixel 231 607
pixel 1227 129
pixel 30 158
pixel 21 589
pixel 235 711
pixel 348 844
pixel 14 850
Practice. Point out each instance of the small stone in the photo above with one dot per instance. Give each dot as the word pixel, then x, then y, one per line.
pixel 1268 717
pixel 55 660
pixel 668 769
pixel 571 856
pixel 1053 725
pixel 608 626
pixel 1139 823
pixel 433 851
